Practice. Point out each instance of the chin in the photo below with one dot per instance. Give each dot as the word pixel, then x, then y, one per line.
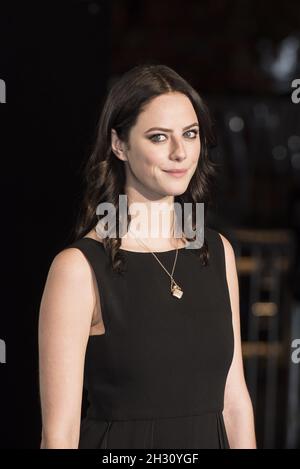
pixel 178 190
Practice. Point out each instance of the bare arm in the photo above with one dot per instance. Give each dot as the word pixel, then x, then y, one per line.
pixel 238 412
pixel 64 323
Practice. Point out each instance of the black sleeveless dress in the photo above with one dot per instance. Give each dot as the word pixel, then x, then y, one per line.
pixel 156 378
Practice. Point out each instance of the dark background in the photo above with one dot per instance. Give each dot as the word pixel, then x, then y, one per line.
pixel 58 62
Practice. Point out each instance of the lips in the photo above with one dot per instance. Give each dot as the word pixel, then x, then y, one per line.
pixel 177 172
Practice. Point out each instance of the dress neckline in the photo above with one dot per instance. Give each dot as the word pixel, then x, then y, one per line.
pixel 137 252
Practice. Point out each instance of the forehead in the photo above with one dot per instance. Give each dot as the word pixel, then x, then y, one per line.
pixel 169 110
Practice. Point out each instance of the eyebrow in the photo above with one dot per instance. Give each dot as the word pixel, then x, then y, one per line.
pixel 170 130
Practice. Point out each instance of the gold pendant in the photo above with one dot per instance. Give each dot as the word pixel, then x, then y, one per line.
pixel 176 291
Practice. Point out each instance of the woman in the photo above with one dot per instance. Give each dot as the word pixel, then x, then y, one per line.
pixel 149 325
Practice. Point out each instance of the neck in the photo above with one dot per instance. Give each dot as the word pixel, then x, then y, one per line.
pixel 152 222
pixel 151 219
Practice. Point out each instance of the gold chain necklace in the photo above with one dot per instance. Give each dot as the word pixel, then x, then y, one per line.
pixel 175 288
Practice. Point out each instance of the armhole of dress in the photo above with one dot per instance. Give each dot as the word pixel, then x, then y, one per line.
pixel 98 319
pixel 217 251
pixel 221 261
pixel 100 316
pixel 222 266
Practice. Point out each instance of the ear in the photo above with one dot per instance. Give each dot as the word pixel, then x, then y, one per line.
pixel 117 146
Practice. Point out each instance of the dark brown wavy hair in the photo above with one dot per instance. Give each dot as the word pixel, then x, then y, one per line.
pixel 104 173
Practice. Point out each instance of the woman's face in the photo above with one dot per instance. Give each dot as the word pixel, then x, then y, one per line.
pixel 172 144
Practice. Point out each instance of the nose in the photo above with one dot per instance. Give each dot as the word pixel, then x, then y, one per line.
pixel 177 150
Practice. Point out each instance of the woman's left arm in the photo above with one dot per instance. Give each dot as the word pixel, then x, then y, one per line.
pixel 238 411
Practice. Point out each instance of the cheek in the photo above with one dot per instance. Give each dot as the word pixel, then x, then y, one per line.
pixel 153 159
pixel 196 152
pixel 145 161
pixel 198 147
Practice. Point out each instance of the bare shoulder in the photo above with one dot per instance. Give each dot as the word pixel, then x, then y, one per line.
pixel 229 251
pixel 231 276
pixel 64 325
pixel 69 294
pixel 71 262
pixel 72 269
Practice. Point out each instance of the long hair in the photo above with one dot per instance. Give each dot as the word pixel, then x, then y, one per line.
pixel 104 173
